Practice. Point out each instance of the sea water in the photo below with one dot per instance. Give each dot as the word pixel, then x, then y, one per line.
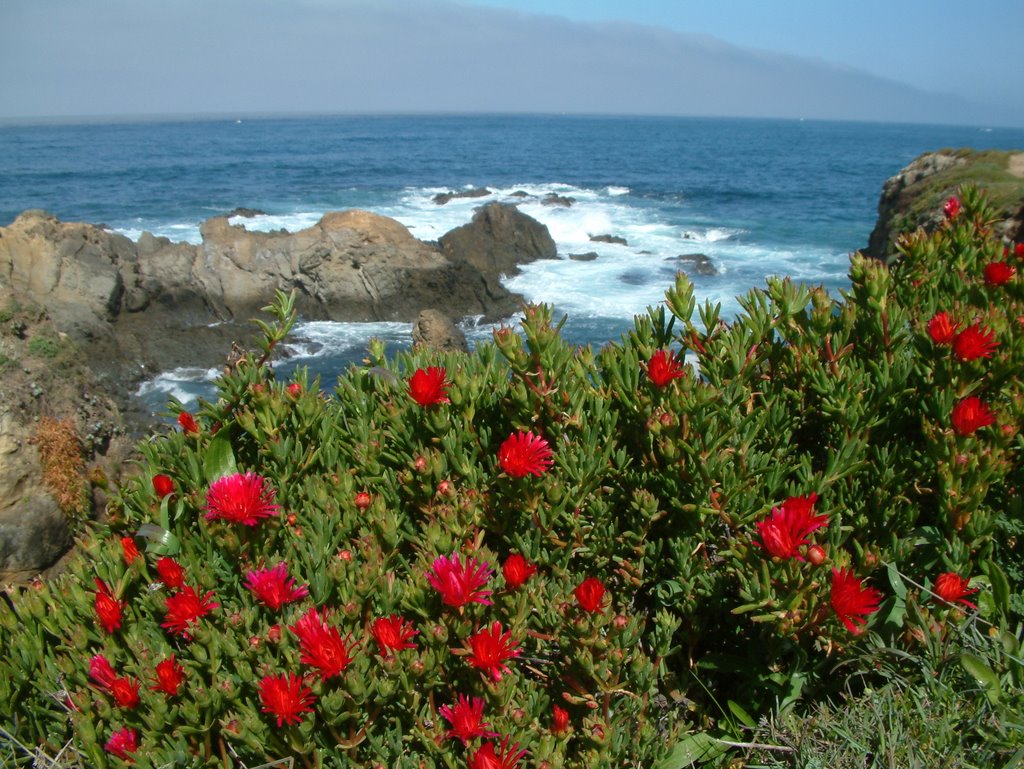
pixel 757 197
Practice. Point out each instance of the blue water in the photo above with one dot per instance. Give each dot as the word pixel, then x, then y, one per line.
pixel 757 196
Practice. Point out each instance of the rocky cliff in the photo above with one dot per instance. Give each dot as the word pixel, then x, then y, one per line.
pixel 914 197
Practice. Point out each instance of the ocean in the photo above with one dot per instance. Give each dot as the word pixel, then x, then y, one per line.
pixel 757 197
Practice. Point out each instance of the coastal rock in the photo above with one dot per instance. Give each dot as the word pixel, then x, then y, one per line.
pixel 551 199
pixel 589 256
pixel 614 239
pixel 435 330
pixel 444 197
pixel 245 213
pixel 497 240
pixel 696 264
pixel 914 197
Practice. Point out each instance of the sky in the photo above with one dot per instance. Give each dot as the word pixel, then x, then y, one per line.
pixel 888 60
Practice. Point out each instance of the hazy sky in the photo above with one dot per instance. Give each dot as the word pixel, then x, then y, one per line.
pixel 935 61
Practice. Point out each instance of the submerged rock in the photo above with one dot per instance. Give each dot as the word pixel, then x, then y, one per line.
pixel 614 239
pixel 696 264
pixel 444 197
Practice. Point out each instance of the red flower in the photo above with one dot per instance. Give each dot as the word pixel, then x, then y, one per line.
pixel 162 485
pixel 169 677
pixel 129 549
pixel 998 273
pixel 524 454
pixel 816 555
pixel 188 423
pixel 590 594
pixel 123 743
pixel 321 645
pixel 466 718
pixel 952 588
pixel 185 608
pixel 517 570
pixel 124 690
pixel 109 610
pixel 490 648
pixel 273 587
pixel 460 583
pixel 786 530
pixel 559 720
pixel 662 368
pixel 952 207
pixel 170 571
pixel 486 757
pixel 1018 250
pixel 392 634
pixel 851 601
pixel 240 498
pixel 284 696
pixel 428 386
pixel 969 414
pixel 974 342
pixel 294 389
pixel 942 329
pixel 363 500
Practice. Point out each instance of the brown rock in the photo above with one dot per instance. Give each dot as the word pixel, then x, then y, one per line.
pixel 437 331
pixel 498 239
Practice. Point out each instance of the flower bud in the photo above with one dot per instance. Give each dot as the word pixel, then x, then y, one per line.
pixel 363 500
pixel 816 555
pixel 420 464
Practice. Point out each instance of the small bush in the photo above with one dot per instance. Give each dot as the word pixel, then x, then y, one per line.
pixel 44 347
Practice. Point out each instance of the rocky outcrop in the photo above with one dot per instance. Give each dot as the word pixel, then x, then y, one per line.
pixel 445 197
pixel 437 331
pixel 498 239
pixel 696 264
pixel 613 239
pixel 915 196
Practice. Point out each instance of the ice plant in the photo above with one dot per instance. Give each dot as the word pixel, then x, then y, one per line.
pixel 969 414
pixel 489 648
pixel 123 743
pixel 109 610
pixel 392 634
pixel 517 570
pixel 590 594
pixel 284 697
pixel 952 588
pixel 973 342
pixel 129 549
pixel 786 530
pixel 524 453
pixel 998 273
pixel 487 757
pixel 429 387
pixel 124 690
pixel 169 677
pixel 362 500
pixel 188 423
pixel 170 572
pixel 852 601
pixel 162 485
pixel 294 389
pixel 662 368
pixel 321 645
pixel 466 718
pixel 952 207
pixel 460 582
pixel 942 329
pixel 240 498
pixel 273 587
pixel 185 608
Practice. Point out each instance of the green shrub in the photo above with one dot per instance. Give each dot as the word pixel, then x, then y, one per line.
pixel 711 543
pixel 44 347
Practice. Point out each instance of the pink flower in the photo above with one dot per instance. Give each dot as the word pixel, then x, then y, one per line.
pixel 952 588
pixel 241 499
pixel 524 454
pixel 787 529
pixel 662 368
pixel 590 594
pixel 285 697
pixel 851 601
pixel 459 582
pixel 123 743
pixel 273 587
pixel 466 718
pixel 428 387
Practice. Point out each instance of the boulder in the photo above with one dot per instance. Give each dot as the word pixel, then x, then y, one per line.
pixel 589 256
pixel 614 239
pixel 551 199
pixel 915 196
pixel 477 192
pixel 435 330
pixel 497 240
pixel 696 264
